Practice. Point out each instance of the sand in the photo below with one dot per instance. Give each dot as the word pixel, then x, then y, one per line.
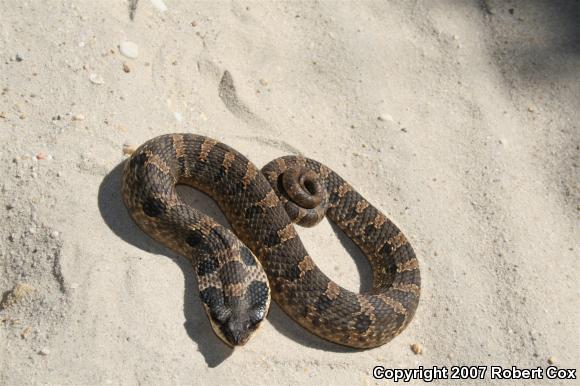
pixel 458 119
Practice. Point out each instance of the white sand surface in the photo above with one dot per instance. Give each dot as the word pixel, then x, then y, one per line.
pixel 458 119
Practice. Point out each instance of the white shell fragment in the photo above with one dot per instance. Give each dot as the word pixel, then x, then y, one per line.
pixel 129 49
pixel 96 79
pixel 159 4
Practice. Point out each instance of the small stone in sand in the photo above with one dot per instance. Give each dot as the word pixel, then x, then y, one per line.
pixel 78 117
pixel 194 23
pixel 40 156
pixel 44 351
pixel 129 49
pixel 531 109
pixel 263 82
pixel 551 360
pixel 2 114
pixel 54 234
pixel 96 79
pixel 18 58
pixel 416 348
pixel 126 68
pixel 385 118
pixel 25 332
pixel 17 294
pixel 128 149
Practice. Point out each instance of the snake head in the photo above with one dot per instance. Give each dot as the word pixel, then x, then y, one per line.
pixel 236 299
pixel 236 319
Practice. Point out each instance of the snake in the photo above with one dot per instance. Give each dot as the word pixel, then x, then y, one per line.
pixel 239 270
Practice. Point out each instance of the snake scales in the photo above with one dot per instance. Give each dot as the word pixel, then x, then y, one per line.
pixel 236 275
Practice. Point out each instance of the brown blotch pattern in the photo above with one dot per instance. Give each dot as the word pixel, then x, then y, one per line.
pixel 287 233
pixel 361 206
pixel 332 290
pixel 397 241
pixel 408 265
pixel 229 157
pixel 251 173
pixel 206 147
pixel 343 189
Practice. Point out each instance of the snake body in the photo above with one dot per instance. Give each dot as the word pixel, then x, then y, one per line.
pixel 238 273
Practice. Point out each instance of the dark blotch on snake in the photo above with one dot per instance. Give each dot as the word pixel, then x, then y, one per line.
pixel 206 266
pixel 322 303
pixel 293 273
pixel 194 238
pixel 247 256
pixel 212 296
pixel 181 163
pixel 334 198
pixel 272 239
pixel 257 293
pixel 153 207
pixel 385 250
pixel 362 323
pixel 233 272
pixel 253 212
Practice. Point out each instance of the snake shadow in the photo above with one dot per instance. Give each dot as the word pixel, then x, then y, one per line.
pixel 198 328
pixel 196 324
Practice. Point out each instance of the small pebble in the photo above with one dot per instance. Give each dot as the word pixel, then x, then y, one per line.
pixel 25 332
pixel 78 117
pixel 194 23
pixel 263 82
pixel 531 109
pixel 40 156
pixel 18 58
pixel 416 348
pixel 22 116
pixel 54 234
pixel 128 149
pixel 126 68
pixel 96 79
pixel 44 351
pixel 16 295
pixel 129 49
pixel 385 118
pixel 2 114
pixel 551 360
